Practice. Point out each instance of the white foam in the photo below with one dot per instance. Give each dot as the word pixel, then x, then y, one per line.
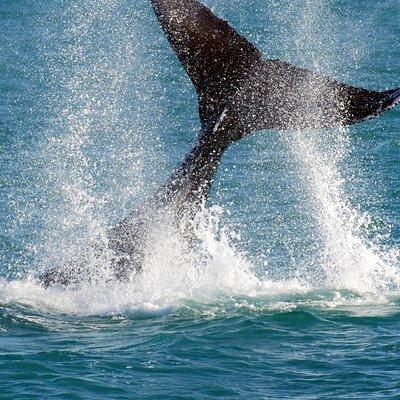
pixel 175 273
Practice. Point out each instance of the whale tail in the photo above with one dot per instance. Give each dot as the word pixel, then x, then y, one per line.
pixel 231 79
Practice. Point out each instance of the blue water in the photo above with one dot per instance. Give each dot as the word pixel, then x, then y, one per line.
pixel 294 289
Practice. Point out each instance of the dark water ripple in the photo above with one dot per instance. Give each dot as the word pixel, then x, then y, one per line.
pixel 264 354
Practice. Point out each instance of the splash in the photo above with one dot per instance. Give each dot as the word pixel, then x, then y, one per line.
pixel 97 155
pixel 211 278
pixel 100 146
pixel 174 273
pixel 350 258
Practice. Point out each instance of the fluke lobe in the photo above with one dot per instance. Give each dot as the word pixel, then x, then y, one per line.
pixel 238 92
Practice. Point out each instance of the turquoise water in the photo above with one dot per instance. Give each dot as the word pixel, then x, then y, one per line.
pixel 294 289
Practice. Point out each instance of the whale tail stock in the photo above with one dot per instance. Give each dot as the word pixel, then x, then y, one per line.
pixel 230 77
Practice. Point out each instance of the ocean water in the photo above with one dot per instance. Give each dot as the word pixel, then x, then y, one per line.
pixel 294 289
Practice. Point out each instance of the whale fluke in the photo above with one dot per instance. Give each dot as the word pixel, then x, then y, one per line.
pixel 228 73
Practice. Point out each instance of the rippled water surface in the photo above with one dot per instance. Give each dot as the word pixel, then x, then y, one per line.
pixel 293 290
